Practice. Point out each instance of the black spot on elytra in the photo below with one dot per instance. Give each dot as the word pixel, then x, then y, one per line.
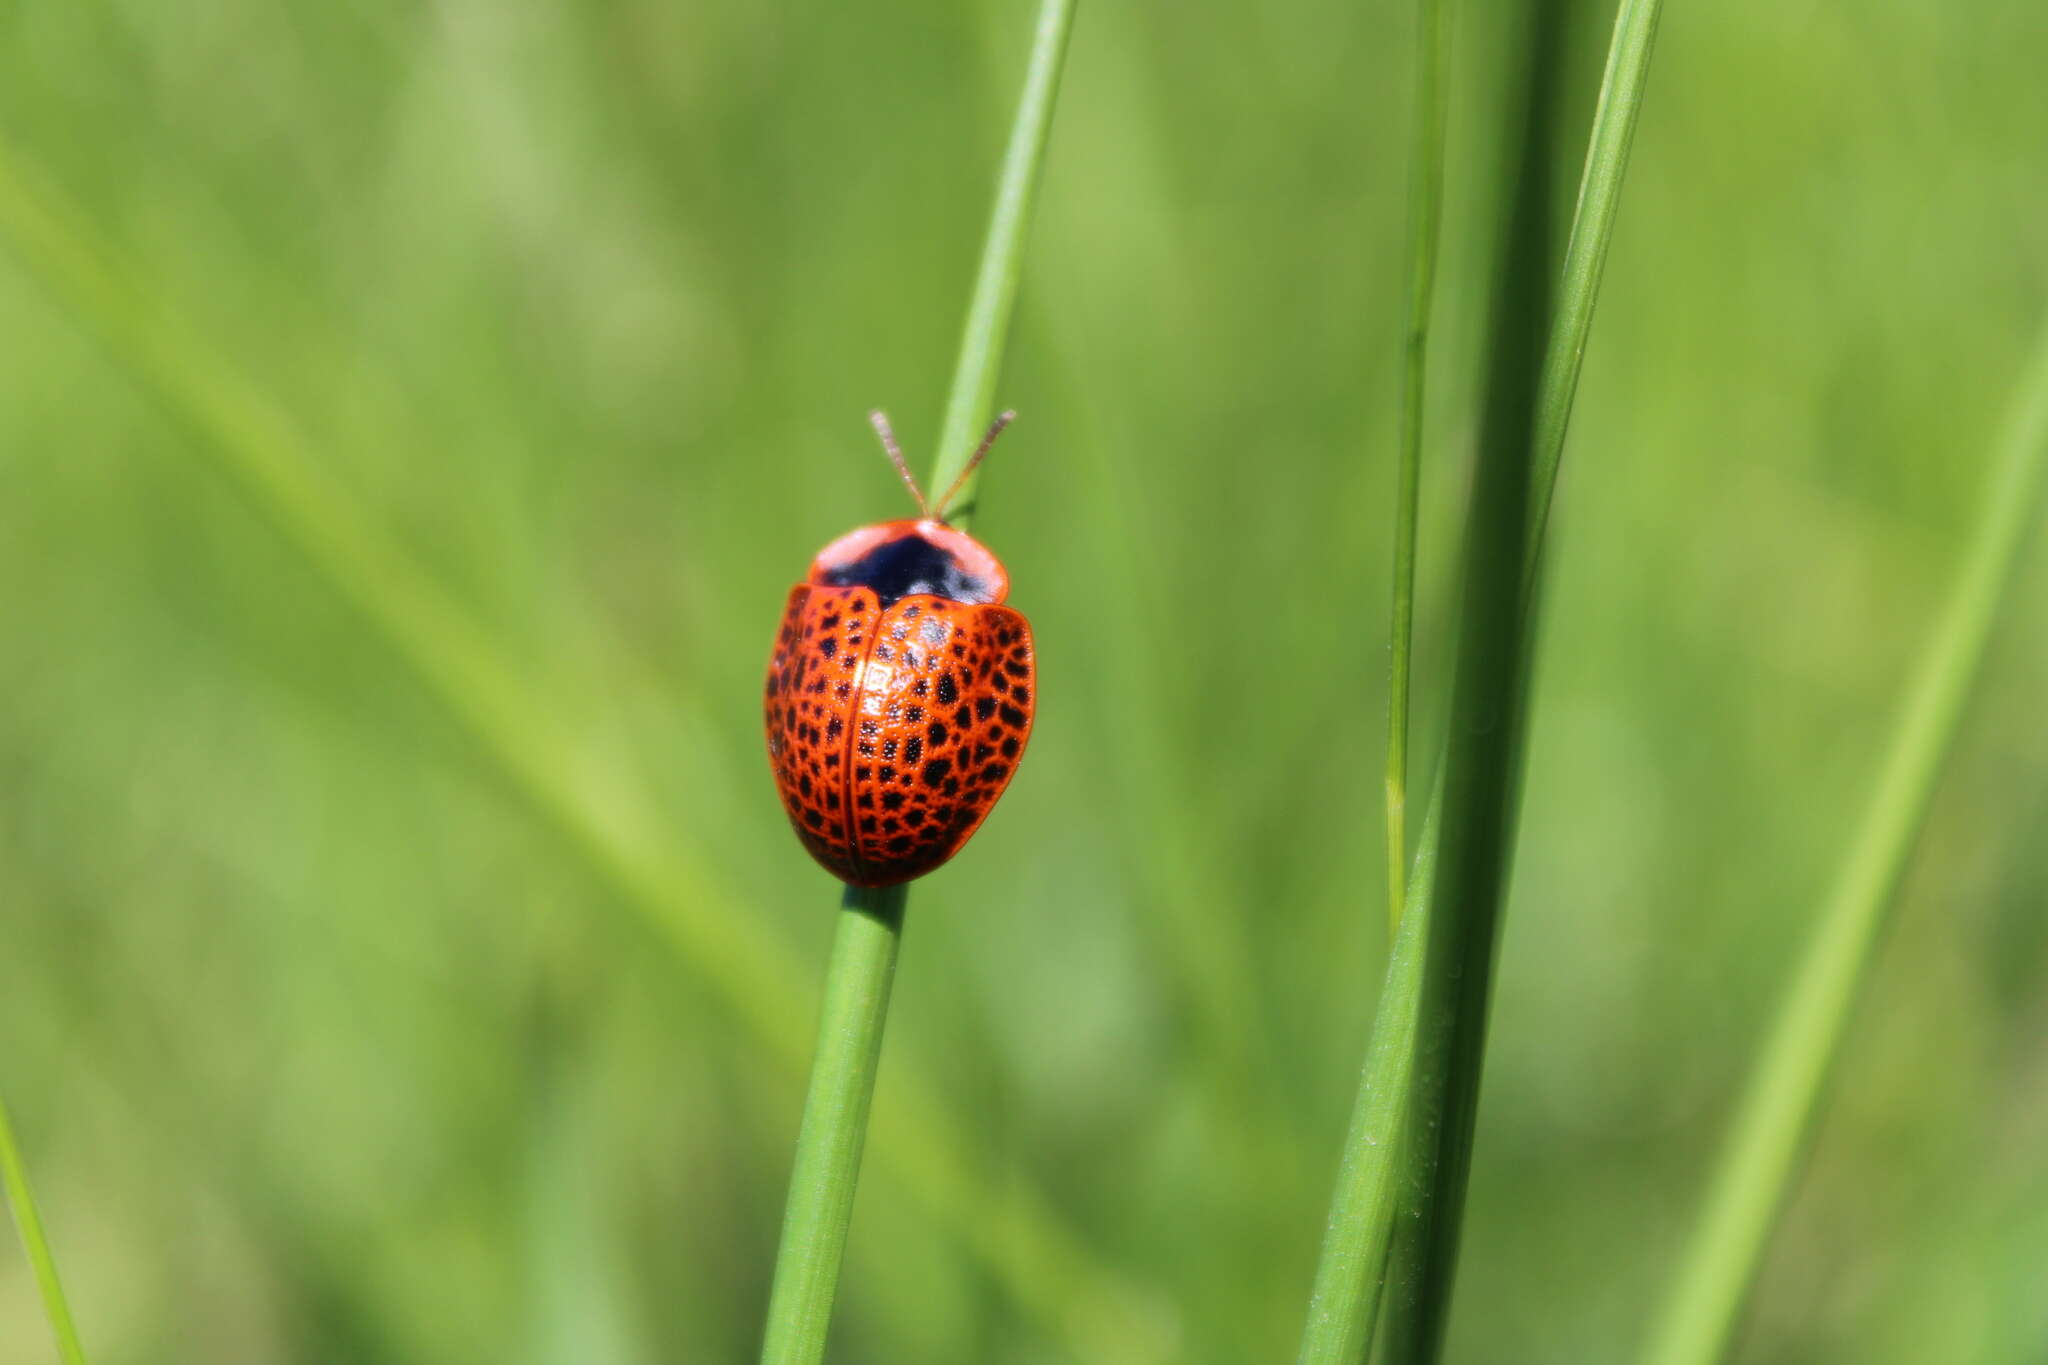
pixel 1012 716
pixel 834 728
pixel 936 733
pixel 913 714
pixel 936 770
pixel 828 646
pixel 892 800
pixel 984 707
pixel 949 690
pixel 913 752
pixel 1010 747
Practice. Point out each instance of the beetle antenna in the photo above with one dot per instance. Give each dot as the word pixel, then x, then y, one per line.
pixel 995 429
pixel 879 420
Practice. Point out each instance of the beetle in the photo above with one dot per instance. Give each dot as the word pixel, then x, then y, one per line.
pixel 900 690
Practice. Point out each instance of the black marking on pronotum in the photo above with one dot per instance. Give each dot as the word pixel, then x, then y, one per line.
pixel 909 566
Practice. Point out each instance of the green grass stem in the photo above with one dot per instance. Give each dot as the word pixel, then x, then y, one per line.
pixel 29 1222
pixel 829 1141
pixel 1351 1273
pixel 1412 1124
pixel 835 1123
pixel 1539 341
pixel 1774 1120
pixel 972 400
pixel 1425 207
pixel 1585 257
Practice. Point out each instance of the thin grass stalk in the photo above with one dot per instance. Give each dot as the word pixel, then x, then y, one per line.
pixel 1482 747
pixel 1774 1121
pixel 972 400
pixel 1608 145
pixel 602 819
pixel 28 1221
pixel 1522 443
pixel 833 1129
pixel 1425 204
pixel 1439 974
pixel 835 1125
pixel 1351 1273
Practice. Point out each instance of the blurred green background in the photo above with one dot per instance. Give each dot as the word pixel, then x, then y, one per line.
pixel 329 1044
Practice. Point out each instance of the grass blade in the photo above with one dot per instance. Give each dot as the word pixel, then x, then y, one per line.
pixel 972 399
pixel 1777 1111
pixel 1585 255
pixel 600 816
pixel 1533 379
pixel 27 1221
pixel 835 1125
pixel 1351 1273
pixel 833 1130
pixel 1425 205
pixel 1439 977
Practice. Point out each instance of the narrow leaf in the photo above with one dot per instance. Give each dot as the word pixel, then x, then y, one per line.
pixel 29 1222
pixel 1776 1115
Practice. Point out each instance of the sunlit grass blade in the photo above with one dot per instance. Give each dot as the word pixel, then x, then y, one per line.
pixel 601 816
pixel 1351 1273
pixel 1785 1089
pixel 835 1125
pixel 1425 207
pixel 1439 978
pixel 972 399
pixel 1539 340
pixel 29 1223
pixel 863 964
pixel 1585 256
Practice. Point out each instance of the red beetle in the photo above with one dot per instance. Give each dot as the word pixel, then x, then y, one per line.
pixel 900 693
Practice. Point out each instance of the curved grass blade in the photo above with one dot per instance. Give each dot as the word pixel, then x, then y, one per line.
pixel 1440 974
pixel 601 818
pixel 863 964
pixel 1425 205
pixel 29 1222
pixel 1785 1089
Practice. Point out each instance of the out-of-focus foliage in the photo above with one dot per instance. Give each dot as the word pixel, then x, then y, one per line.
pixel 325 1046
